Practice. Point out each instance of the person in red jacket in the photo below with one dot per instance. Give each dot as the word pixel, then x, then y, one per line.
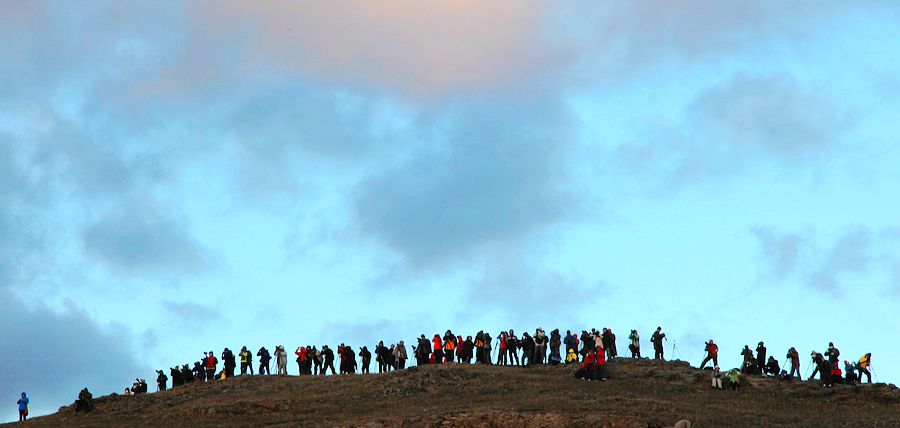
pixel 438 347
pixel 210 362
pixel 600 364
pixel 712 353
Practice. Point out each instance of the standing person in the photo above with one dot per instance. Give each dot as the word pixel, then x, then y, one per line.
pixel 487 349
pixel 402 356
pixel 449 346
pixel 613 352
pixel 512 342
pixel 23 407
pixel 423 350
pixel 211 363
pixel 794 357
pixel 264 359
pixel 281 360
pixel 540 345
pixel 864 363
pixel 317 360
pixel 832 354
pixel 501 356
pixel 228 360
pixel 761 361
pixel 300 352
pixel 468 349
pixel 161 380
pixel 712 353
pixel 367 358
pixel 749 361
pixel 527 344
pixel 327 360
pixel 555 342
pixel 635 345
pixel 246 361
pixel 380 357
pixel 570 342
pixel 657 339
pixel 437 355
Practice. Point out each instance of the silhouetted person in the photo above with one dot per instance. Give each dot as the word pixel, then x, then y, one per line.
pixel 833 354
pixel 228 360
pixel 402 356
pixel 635 344
pixel 749 366
pixel 657 339
pixel 161 380
pixel 327 360
pixel 176 377
pixel 772 367
pixel 264 359
pixel 817 359
pixel 210 362
pixel 512 344
pixel 794 357
pixel 367 358
pixel 85 401
pixel 761 357
pixel 246 361
pixel 864 363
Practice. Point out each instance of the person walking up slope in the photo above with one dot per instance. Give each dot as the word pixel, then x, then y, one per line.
pixel 23 407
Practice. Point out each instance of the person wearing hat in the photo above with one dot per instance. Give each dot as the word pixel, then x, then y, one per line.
pixel 760 357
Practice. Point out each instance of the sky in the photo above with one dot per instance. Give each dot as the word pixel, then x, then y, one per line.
pixel 189 176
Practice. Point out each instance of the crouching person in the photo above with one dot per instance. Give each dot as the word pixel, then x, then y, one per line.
pixel 85 401
pixel 586 372
pixel 716 378
pixel 600 364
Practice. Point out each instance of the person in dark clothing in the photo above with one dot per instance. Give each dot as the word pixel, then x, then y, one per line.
pixel 527 344
pixel 712 353
pixel 817 359
pixel 772 368
pixel 176 377
pixel 761 358
pixel 749 365
pixel 657 339
pixel 317 360
pixel 634 344
pixel 161 380
pixel 587 343
pixel 794 357
pixel 198 371
pixel 863 366
pixel 228 360
pixel 327 360
pixel 367 358
pixel 570 342
pixel 85 401
pixel 825 377
pixel 512 344
pixel 380 357
pixel 612 351
pixel 187 375
pixel 264 359
pixel 246 361
pixel 555 341
pixel 423 351
pixel 833 354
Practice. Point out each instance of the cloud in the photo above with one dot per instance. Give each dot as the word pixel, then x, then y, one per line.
pixel 141 237
pixel 418 49
pixel 859 257
pixel 746 121
pixel 191 313
pixel 492 174
pixel 51 355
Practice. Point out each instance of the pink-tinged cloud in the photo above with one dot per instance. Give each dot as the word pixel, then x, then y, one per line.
pixel 418 48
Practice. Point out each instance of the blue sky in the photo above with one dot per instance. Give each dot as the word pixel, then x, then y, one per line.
pixel 209 174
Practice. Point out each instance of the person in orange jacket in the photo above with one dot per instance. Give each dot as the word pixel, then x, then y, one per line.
pixel 438 348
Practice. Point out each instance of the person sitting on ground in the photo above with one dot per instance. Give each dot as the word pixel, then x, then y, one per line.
pixel 837 375
pixel 23 407
pixel 772 367
pixel 571 357
pixel 127 392
pixel 586 372
pixel 85 401
pixel 716 378
pixel 850 370
pixel 864 363
pixel 734 379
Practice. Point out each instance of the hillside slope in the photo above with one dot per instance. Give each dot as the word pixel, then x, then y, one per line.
pixel 641 393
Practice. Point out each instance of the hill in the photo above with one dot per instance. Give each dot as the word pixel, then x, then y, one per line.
pixel 641 393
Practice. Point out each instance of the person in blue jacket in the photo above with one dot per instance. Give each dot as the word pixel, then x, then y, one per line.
pixel 23 407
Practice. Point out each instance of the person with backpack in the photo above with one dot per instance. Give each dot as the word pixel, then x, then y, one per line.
pixel 712 353
pixel 228 360
pixel 264 359
pixel 449 347
pixel 794 357
pixel 863 366
pixel 555 342
pixel 528 346
pixel 657 339
pixel 635 345
pixel 23 407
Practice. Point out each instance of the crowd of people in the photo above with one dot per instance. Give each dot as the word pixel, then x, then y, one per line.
pixel 592 349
